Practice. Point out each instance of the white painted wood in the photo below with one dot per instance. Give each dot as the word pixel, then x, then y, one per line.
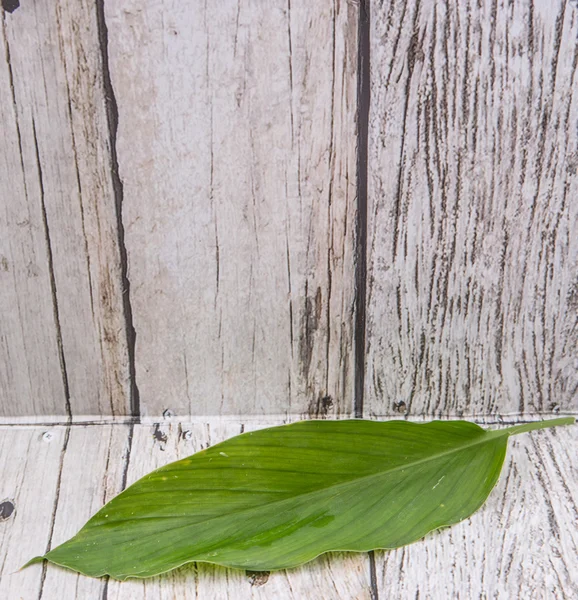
pixel 63 347
pixel 29 365
pixel 521 544
pixel 472 245
pixel 93 471
pixel 236 147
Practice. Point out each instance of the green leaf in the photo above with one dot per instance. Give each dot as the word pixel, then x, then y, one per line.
pixel 279 497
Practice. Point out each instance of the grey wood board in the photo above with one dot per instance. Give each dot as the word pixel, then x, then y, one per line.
pixel 472 213
pixel 236 148
pixel 30 466
pixel 63 340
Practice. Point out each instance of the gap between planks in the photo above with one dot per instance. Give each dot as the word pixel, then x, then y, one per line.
pixel 60 421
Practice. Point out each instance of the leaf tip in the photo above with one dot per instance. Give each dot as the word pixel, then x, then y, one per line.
pixel 33 561
pixel 535 425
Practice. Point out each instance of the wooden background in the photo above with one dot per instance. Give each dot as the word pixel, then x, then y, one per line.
pixel 203 214
pixel 242 213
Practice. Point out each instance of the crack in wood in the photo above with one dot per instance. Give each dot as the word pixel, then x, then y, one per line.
pixel 331 170
pixel 128 453
pixel 54 510
pixel 360 303
pixel 112 118
pixel 104 591
pixel 52 278
pixel 363 102
pixel 373 589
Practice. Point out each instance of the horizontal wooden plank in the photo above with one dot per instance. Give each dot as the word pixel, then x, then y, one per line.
pixel 472 245
pixel 521 544
pixel 63 340
pixel 236 148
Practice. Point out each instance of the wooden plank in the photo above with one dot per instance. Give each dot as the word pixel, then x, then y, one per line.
pixel 472 252
pixel 30 381
pixel 236 147
pixel 64 343
pixel 523 543
pixel 30 464
pixel 93 472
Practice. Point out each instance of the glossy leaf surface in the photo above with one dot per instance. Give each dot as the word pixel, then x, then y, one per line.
pixel 279 497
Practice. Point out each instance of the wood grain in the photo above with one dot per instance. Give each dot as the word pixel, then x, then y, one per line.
pixel 30 464
pixel 473 252
pixel 63 337
pixel 93 472
pixel 236 148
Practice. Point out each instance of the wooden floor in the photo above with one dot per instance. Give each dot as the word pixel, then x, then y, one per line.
pixel 523 543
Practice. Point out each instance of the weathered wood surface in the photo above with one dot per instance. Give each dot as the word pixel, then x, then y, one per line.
pixel 472 212
pixel 63 338
pixel 30 467
pixel 191 171
pixel 229 237
pixel 236 148
pixel 522 544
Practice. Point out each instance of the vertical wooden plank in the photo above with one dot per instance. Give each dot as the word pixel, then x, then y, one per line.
pixel 473 253
pixel 85 485
pixel 236 148
pixel 30 380
pixel 333 576
pixel 30 465
pixel 64 343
